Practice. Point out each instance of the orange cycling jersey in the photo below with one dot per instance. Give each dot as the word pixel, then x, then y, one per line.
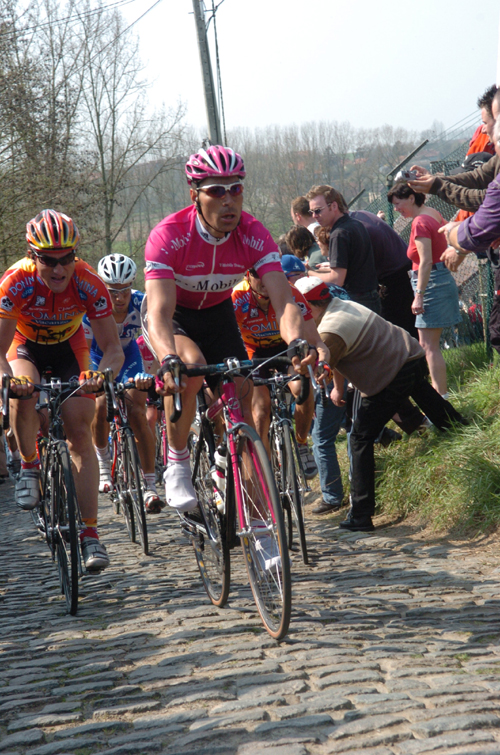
pixel 259 329
pixel 43 316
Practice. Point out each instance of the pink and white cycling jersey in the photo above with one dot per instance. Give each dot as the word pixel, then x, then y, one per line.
pixel 205 269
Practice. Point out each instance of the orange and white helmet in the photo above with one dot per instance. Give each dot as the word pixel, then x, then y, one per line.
pixel 51 231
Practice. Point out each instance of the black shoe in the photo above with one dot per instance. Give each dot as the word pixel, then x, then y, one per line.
pixel 352 524
pixel 388 436
pixel 326 508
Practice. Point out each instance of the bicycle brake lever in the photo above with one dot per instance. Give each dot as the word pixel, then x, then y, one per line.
pixel 5 400
pixel 314 384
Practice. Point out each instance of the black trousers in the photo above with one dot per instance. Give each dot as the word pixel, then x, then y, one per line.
pixel 373 414
pixel 396 297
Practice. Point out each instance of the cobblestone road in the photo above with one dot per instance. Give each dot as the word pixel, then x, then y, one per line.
pixel 393 649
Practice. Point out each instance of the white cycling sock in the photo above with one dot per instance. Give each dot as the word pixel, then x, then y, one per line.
pixel 175 457
pixel 103 453
pixel 150 480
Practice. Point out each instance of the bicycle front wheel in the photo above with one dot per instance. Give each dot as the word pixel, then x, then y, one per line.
pixel 121 497
pixel 276 446
pixel 262 533
pixel 211 550
pixel 293 491
pixel 65 524
pixel 135 487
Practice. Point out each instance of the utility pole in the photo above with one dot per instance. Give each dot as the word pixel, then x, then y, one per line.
pixel 214 129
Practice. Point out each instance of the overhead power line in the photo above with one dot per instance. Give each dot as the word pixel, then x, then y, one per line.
pixel 73 17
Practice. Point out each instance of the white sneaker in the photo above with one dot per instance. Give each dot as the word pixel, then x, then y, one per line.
pixel 179 491
pixel 267 551
pixel 105 480
pixel 152 501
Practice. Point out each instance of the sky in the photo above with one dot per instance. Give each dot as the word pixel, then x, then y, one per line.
pixel 370 62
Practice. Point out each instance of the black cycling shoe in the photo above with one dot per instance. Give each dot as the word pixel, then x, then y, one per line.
pixel 361 524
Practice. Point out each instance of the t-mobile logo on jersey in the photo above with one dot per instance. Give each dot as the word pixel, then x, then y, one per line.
pixel 179 242
pixel 254 243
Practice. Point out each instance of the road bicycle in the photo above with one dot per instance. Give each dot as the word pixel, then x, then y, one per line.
pixel 129 484
pixel 57 516
pixel 241 508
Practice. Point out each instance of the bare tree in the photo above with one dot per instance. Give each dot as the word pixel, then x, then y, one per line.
pixel 120 132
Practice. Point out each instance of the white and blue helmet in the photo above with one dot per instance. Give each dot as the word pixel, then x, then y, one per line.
pixel 117 268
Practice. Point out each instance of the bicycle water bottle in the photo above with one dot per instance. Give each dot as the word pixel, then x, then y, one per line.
pixel 219 475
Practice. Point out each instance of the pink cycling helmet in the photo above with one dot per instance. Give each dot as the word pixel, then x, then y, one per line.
pixel 214 162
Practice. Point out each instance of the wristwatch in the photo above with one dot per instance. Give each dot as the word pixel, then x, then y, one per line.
pixel 420 291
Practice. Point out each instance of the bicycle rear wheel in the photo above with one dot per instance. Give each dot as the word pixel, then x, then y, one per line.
pixel 263 534
pixel 292 489
pixel 211 550
pixel 65 524
pixel 135 486
pixel 121 496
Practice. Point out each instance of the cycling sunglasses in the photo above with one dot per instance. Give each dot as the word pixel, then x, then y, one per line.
pixel 55 261
pixel 120 291
pixel 219 191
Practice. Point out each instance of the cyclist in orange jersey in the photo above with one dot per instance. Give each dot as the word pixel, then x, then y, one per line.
pixel 43 298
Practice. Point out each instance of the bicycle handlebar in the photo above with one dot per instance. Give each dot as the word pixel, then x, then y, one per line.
pixel 233 365
pixel 53 386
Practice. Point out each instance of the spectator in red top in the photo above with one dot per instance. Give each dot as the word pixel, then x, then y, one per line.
pixel 436 295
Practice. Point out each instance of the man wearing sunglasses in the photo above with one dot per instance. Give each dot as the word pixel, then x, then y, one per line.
pixel 351 254
pixel 194 258
pixel 43 298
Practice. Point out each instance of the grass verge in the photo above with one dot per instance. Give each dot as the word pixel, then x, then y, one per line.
pixel 451 481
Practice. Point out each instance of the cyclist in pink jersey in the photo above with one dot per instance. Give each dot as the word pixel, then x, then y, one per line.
pixel 193 259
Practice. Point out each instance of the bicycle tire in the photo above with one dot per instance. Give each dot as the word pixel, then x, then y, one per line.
pixel 211 551
pixel 135 485
pixel 292 490
pixel 160 449
pixel 65 526
pixel 41 513
pixel 278 470
pixel 270 579
pixel 121 496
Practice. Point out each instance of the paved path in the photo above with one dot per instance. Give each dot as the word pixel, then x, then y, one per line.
pixel 393 648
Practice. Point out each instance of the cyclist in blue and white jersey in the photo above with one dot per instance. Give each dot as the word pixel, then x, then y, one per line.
pixel 118 273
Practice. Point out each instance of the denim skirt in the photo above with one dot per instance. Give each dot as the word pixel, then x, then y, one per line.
pixel 441 308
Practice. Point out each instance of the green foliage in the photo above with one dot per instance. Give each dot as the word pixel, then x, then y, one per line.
pixel 451 480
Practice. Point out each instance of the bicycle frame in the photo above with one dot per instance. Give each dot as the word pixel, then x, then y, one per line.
pixel 230 405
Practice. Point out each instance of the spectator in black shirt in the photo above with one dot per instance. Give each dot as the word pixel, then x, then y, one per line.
pixel 351 254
